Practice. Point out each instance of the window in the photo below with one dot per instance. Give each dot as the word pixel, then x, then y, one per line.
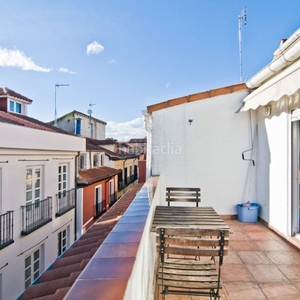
pixel 78 126
pixel 0 193
pixel 32 267
pixel 33 185
pixel 95 160
pixel 102 159
pixel 62 180
pixel 18 108
pixel 82 162
pixel 62 242
pixel 11 106
pixel 98 200
pixel 92 130
pixel 111 191
pixel 15 107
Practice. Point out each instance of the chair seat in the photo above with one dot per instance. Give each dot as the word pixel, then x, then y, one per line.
pixel 188 274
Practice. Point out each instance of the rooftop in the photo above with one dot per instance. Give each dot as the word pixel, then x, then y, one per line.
pixel 22 120
pixel 261 264
pixel 4 92
pixel 55 282
pixel 75 112
pixel 90 176
pixel 197 97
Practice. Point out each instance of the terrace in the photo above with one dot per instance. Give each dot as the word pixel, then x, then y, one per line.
pixel 261 264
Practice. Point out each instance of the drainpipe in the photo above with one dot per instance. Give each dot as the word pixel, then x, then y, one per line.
pixel 75 209
pixel 287 55
pixel 124 176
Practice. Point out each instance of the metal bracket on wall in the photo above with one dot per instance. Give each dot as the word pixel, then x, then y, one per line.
pixel 254 137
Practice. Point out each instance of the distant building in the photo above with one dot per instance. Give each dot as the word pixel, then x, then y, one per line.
pixel 81 124
pixel 37 193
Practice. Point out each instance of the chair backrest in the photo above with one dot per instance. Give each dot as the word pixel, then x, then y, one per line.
pixel 192 242
pixel 183 194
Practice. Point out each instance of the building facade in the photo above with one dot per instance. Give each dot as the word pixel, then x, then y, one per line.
pixel 37 195
pixel 274 108
pixel 81 124
pixel 198 141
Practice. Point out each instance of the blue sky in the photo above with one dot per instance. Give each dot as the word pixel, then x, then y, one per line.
pixel 123 55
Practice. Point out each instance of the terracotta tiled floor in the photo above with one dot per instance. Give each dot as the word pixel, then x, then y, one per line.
pixel 260 265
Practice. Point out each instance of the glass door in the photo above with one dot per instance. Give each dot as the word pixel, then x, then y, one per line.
pixel 295 177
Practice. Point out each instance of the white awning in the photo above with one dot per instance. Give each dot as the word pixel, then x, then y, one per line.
pixel 285 83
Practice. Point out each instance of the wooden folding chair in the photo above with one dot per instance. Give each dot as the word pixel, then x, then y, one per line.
pixel 182 194
pixel 178 270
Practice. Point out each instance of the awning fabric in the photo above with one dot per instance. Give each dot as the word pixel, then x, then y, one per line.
pixel 285 83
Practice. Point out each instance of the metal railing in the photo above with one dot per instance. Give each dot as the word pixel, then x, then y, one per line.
pixel 65 201
pixel 6 229
pixel 97 210
pixel 36 215
pixel 112 198
pixel 120 186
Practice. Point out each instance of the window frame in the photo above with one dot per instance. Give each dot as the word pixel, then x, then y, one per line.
pixel 33 274
pixel 62 179
pixel 62 241
pixel 15 106
pixel 33 190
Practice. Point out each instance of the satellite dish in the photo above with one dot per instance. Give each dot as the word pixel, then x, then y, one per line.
pixel 89 111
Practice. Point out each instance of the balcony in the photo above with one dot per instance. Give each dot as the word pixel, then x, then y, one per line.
pixel 6 229
pixel 260 264
pixel 65 201
pixel 36 215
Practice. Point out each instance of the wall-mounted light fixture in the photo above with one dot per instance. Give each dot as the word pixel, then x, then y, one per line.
pixel 267 110
pixel 190 121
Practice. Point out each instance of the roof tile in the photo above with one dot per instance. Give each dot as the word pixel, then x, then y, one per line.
pixel 8 92
pixel 53 285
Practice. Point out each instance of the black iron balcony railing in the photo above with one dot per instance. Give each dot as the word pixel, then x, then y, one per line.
pixel 36 215
pixel 6 229
pixel 112 198
pixel 98 210
pixel 120 186
pixel 65 201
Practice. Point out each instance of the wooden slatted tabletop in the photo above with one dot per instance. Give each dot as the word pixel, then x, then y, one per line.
pixel 182 216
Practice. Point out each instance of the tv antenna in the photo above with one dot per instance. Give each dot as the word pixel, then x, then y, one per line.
pixel 55 112
pixel 90 109
pixel 242 22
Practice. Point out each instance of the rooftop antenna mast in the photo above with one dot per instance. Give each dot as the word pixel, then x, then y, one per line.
pixel 90 114
pixel 242 22
pixel 55 112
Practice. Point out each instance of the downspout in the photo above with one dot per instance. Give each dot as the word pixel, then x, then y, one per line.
pixel 124 176
pixel 75 209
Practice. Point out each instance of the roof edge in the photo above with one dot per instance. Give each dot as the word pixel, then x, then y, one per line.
pixel 197 97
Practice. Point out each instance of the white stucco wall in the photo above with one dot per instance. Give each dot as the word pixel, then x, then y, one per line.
pixel 19 137
pixel 274 167
pixel 20 148
pixel 206 153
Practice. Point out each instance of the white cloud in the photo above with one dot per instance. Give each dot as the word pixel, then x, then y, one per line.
pixel 65 70
pixel 18 59
pixel 94 48
pixel 112 61
pixel 127 130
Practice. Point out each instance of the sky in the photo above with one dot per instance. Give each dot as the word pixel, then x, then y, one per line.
pixel 119 56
